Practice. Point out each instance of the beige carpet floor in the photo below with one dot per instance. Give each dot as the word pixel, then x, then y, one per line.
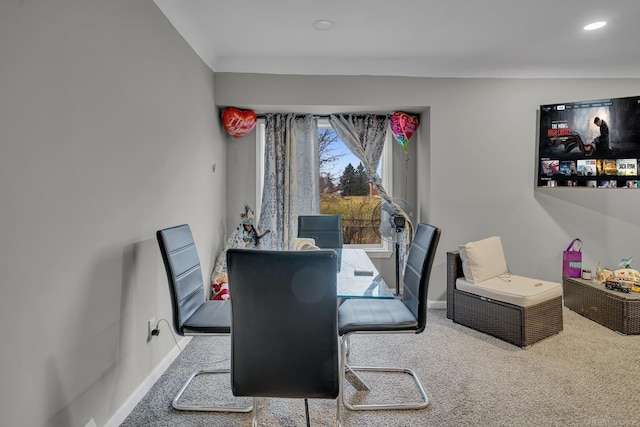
pixel 587 375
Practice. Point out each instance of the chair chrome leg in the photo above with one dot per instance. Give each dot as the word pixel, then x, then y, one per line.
pixel 423 403
pixel 346 370
pixel 347 347
pixel 254 419
pixel 180 407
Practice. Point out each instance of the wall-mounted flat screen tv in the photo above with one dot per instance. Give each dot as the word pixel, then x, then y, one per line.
pixel 590 144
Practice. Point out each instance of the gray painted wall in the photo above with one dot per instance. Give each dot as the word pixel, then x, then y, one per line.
pixel 475 161
pixel 108 132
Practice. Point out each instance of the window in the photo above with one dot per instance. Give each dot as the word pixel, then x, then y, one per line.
pixel 344 188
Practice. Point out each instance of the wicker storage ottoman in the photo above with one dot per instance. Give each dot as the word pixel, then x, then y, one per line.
pixel 615 310
pixel 521 326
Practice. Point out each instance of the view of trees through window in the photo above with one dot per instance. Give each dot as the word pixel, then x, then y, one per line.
pixel 345 190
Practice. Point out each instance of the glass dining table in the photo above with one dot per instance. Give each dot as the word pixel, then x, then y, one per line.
pixel 358 277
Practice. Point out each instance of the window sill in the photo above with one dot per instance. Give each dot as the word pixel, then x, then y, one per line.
pixel 373 251
pixel 377 253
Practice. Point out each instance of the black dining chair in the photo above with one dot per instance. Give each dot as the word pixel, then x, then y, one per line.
pixel 405 314
pixel 325 229
pixel 284 327
pixel 192 313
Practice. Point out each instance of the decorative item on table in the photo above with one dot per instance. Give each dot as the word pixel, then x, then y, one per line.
pixel 628 274
pixel 617 284
pixel 572 259
pixel 598 278
pixel 586 274
pixel 626 262
pixel 305 244
pixel 237 122
pixel 220 287
pixel 245 236
pixel 250 237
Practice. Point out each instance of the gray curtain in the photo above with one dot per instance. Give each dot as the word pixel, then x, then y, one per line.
pixel 291 177
pixel 364 135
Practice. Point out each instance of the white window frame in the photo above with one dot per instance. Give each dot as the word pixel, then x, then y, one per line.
pixel 260 127
pixel 385 249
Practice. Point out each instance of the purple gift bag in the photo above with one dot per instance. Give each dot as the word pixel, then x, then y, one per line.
pixel 572 259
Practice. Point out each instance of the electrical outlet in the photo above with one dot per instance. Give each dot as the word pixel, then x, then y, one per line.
pixel 151 325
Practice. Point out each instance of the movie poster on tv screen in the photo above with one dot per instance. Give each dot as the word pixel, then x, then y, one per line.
pixel 587 167
pixel 626 167
pixel 586 138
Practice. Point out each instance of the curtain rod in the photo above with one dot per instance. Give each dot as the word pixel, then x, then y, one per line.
pixel 321 116
pixel 316 116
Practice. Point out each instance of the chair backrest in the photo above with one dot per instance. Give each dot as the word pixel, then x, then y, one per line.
pixel 326 229
pixel 284 332
pixel 184 274
pixel 418 270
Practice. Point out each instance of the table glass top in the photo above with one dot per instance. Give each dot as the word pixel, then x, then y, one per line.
pixel 358 277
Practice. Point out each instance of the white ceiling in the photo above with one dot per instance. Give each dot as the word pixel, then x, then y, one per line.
pixel 426 38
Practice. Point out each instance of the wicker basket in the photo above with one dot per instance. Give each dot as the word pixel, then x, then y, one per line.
pixel 521 326
pixel 615 310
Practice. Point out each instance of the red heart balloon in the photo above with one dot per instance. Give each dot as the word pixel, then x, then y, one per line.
pixel 238 123
pixel 403 126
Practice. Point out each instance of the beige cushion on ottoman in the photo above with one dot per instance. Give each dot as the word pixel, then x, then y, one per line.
pixel 516 290
pixel 483 259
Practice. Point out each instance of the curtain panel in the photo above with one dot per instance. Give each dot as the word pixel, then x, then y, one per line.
pixel 291 177
pixel 364 135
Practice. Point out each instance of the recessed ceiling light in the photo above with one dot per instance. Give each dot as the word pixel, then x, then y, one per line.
pixel 595 25
pixel 323 25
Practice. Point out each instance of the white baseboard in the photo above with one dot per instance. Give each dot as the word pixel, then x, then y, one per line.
pixel 438 305
pixel 146 385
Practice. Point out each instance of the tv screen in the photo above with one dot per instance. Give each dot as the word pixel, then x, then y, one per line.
pixel 590 144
